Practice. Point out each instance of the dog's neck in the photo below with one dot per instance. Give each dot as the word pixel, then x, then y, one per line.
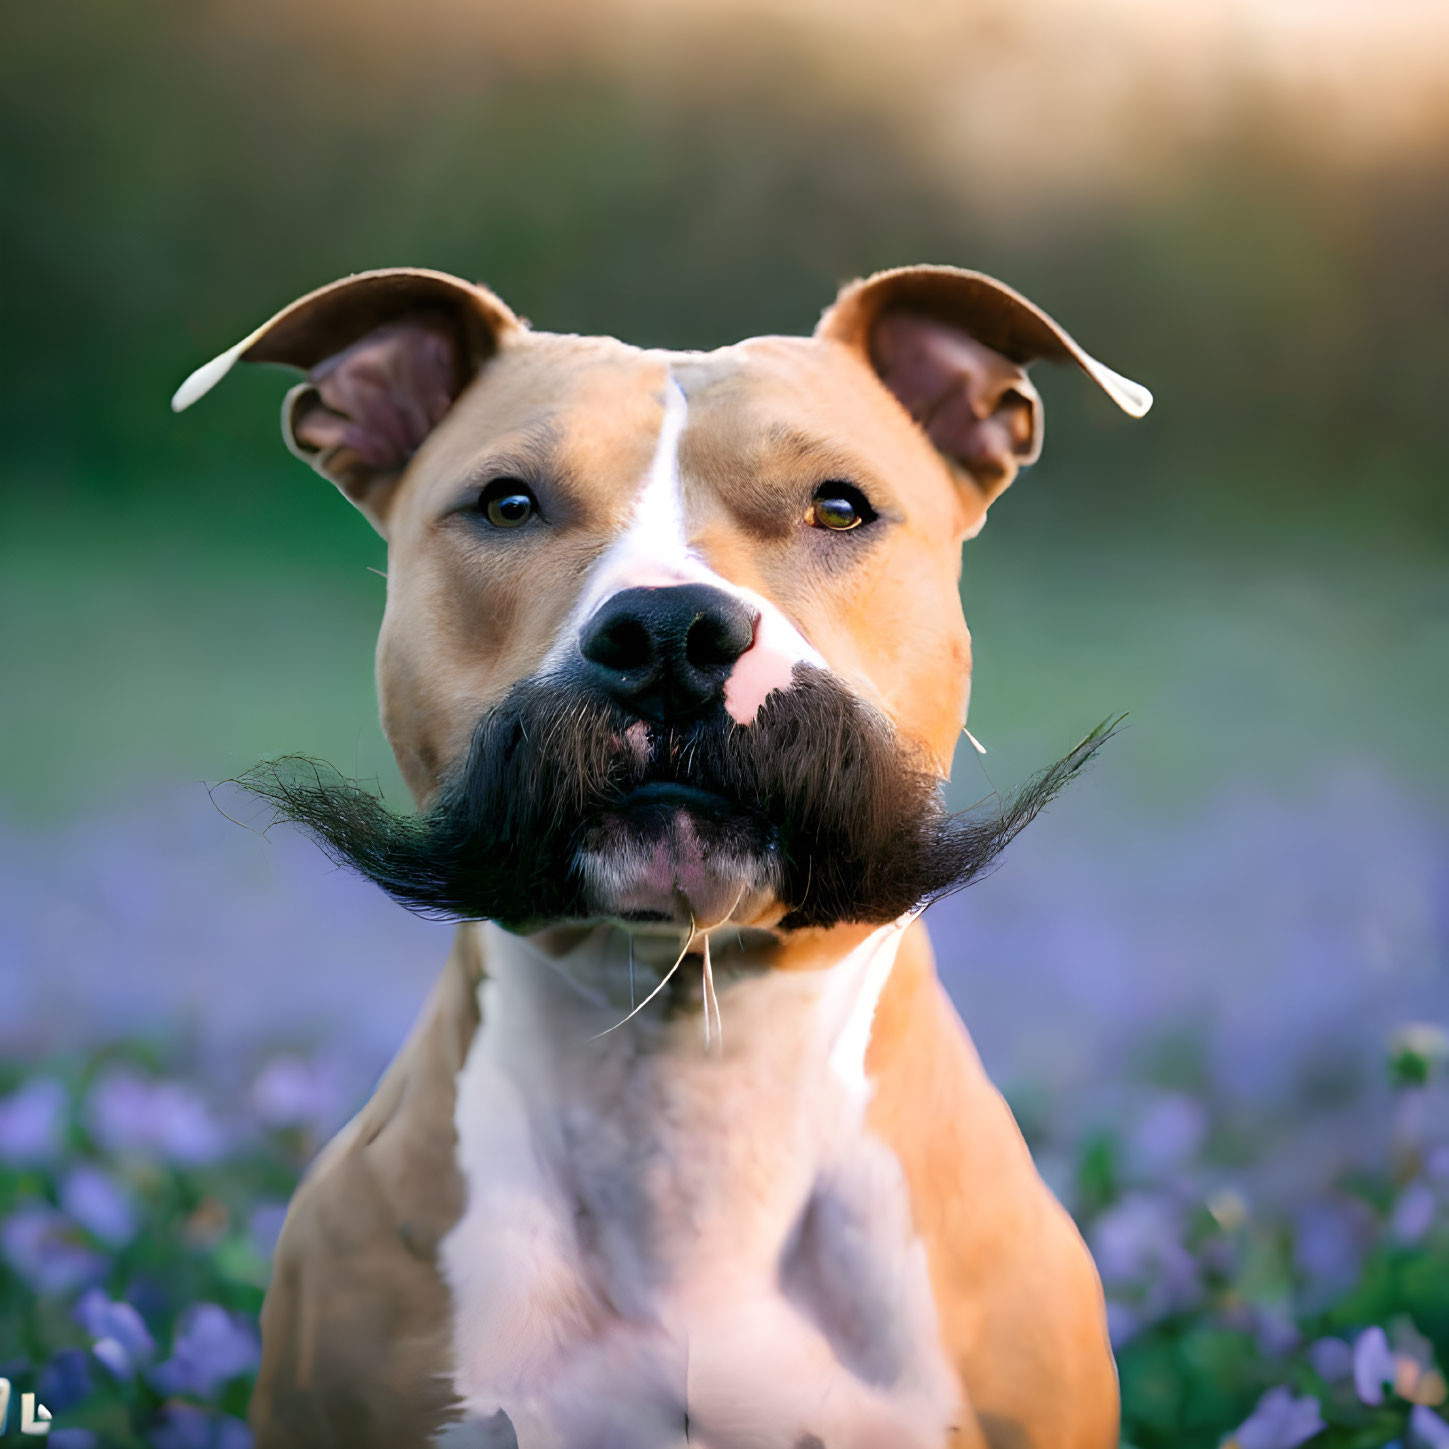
pixel 647 1208
pixel 673 990
pixel 744 1111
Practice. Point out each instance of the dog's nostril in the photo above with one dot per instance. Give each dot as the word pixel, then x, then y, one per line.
pixel 622 643
pixel 718 637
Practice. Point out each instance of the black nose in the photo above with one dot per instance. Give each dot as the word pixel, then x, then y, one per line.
pixel 667 652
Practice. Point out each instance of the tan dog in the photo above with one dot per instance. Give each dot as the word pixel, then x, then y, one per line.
pixel 696 1149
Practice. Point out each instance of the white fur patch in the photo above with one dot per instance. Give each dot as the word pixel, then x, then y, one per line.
pixel 657 1234
pixel 864 974
pixel 654 549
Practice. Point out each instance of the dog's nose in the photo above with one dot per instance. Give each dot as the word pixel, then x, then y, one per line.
pixel 667 652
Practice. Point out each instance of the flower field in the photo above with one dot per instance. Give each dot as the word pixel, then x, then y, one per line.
pixel 138 1210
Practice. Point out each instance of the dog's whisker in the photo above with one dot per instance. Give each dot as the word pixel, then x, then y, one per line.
pixel 711 1001
pixel 981 764
pixel 711 997
pixel 704 985
pixel 663 982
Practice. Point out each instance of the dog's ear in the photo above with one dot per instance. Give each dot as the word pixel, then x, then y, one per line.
pixel 953 346
pixel 386 355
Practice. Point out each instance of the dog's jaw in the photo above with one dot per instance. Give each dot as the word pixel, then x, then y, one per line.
pixel 677 873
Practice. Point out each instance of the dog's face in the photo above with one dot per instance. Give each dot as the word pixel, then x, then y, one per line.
pixel 681 630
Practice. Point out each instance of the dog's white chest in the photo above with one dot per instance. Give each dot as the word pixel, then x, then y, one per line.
pixel 665 1244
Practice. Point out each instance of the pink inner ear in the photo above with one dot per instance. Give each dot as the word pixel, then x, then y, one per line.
pixel 385 393
pixel 976 405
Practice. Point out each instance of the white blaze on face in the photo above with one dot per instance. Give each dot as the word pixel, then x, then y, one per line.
pixel 654 552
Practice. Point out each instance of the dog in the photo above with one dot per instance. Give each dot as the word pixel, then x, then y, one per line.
pixel 688 1145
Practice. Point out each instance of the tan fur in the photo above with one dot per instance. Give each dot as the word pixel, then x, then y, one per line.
pixel 357 1348
pixel 355 1328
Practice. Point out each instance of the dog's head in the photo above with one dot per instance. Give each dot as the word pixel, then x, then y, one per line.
pixel 668 635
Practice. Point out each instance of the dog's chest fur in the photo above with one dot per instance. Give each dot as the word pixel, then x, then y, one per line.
pixel 666 1243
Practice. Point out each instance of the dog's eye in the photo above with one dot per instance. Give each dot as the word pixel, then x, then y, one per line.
pixel 839 507
pixel 507 503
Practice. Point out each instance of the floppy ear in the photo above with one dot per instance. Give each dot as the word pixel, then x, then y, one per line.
pixel 953 346
pixel 386 355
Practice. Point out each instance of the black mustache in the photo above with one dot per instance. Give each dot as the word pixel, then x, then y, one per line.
pixel 851 816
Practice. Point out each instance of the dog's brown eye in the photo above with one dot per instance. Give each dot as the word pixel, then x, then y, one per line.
pixel 839 507
pixel 507 503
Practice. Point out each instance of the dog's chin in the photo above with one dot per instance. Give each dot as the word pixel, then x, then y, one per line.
pixel 676 855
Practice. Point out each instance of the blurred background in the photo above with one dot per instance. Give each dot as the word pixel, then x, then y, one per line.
pixel 1188 974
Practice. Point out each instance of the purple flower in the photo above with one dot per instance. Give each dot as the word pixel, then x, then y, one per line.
pixel 121 1339
pixel 231 1434
pixel 1169 1133
pixel 42 1246
pixel 294 1092
pixel 115 1358
pixel 1331 1358
pixel 1413 1214
pixel 65 1381
pixel 32 1121
pixel 1426 1429
pixel 184 1426
pixel 1279 1422
pixel 1373 1365
pixel 1139 1240
pixel 1277 1333
pixel 72 1438
pixel 1132 1235
pixel 100 1204
pixel 129 1113
pixel 1331 1237
pixel 211 1347
pixel 1407 1367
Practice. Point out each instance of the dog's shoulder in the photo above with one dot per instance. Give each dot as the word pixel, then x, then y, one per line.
pixel 356 1327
